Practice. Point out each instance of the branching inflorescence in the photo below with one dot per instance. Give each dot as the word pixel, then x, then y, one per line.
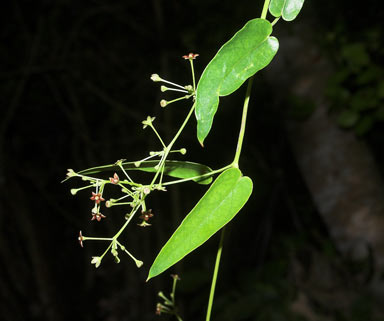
pixel 134 194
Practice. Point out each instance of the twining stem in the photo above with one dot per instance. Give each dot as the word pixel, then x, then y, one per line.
pixel 215 273
pixel 243 123
pixel 235 164
pixel 265 9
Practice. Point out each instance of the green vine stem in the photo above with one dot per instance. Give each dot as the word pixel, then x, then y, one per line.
pixel 243 123
pixel 265 9
pixel 215 273
pixel 235 164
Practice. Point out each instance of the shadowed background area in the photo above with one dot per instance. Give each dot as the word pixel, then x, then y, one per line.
pixel 74 88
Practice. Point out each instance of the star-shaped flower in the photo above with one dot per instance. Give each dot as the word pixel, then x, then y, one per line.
pixel 97 216
pixel 148 121
pixel 190 56
pixel 146 215
pixel 115 179
pixel 97 198
pixel 81 239
pixel 96 260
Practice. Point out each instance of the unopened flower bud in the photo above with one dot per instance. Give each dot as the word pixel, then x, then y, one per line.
pixel 139 263
pixel 146 190
pixel 163 103
pixel 155 77
pixel 183 151
pixel 163 88
pixel 158 309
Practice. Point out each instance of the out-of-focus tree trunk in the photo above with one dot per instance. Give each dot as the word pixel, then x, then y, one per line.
pixel 338 168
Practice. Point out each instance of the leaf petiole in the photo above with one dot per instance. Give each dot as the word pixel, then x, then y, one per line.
pixel 265 9
pixel 243 123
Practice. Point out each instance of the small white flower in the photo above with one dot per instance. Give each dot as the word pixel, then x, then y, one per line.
pixel 96 260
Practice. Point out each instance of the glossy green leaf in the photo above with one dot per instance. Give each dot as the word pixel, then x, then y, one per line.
pixel 217 207
pixel 249 50
pixel 178 169
pixel 288 9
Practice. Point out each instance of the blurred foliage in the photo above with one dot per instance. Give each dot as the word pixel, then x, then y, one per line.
pixel 356 88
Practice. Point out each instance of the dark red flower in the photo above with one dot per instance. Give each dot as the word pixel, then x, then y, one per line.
pixel 115 179
pixel 146 215
pixel 97 216
pixel 97 198
pixel 81 238
pixel 190 56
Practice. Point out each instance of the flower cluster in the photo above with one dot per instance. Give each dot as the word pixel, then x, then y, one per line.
pixel 134 194
pixel 168 306
pixel 189 90
pixel 130 190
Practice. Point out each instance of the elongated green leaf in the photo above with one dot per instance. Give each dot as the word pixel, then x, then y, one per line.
pixel 288 9
pixel 249 50
pixel 178 169
pixel 217 207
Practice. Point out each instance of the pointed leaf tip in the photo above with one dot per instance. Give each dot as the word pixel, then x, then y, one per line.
pixel 223 200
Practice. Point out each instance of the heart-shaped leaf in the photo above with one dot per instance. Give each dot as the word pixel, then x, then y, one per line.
pixel 288 9
pixel 223 200
pixel 173 168
pixel 249 50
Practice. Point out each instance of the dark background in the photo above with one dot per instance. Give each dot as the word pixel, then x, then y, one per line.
pixel 74 88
